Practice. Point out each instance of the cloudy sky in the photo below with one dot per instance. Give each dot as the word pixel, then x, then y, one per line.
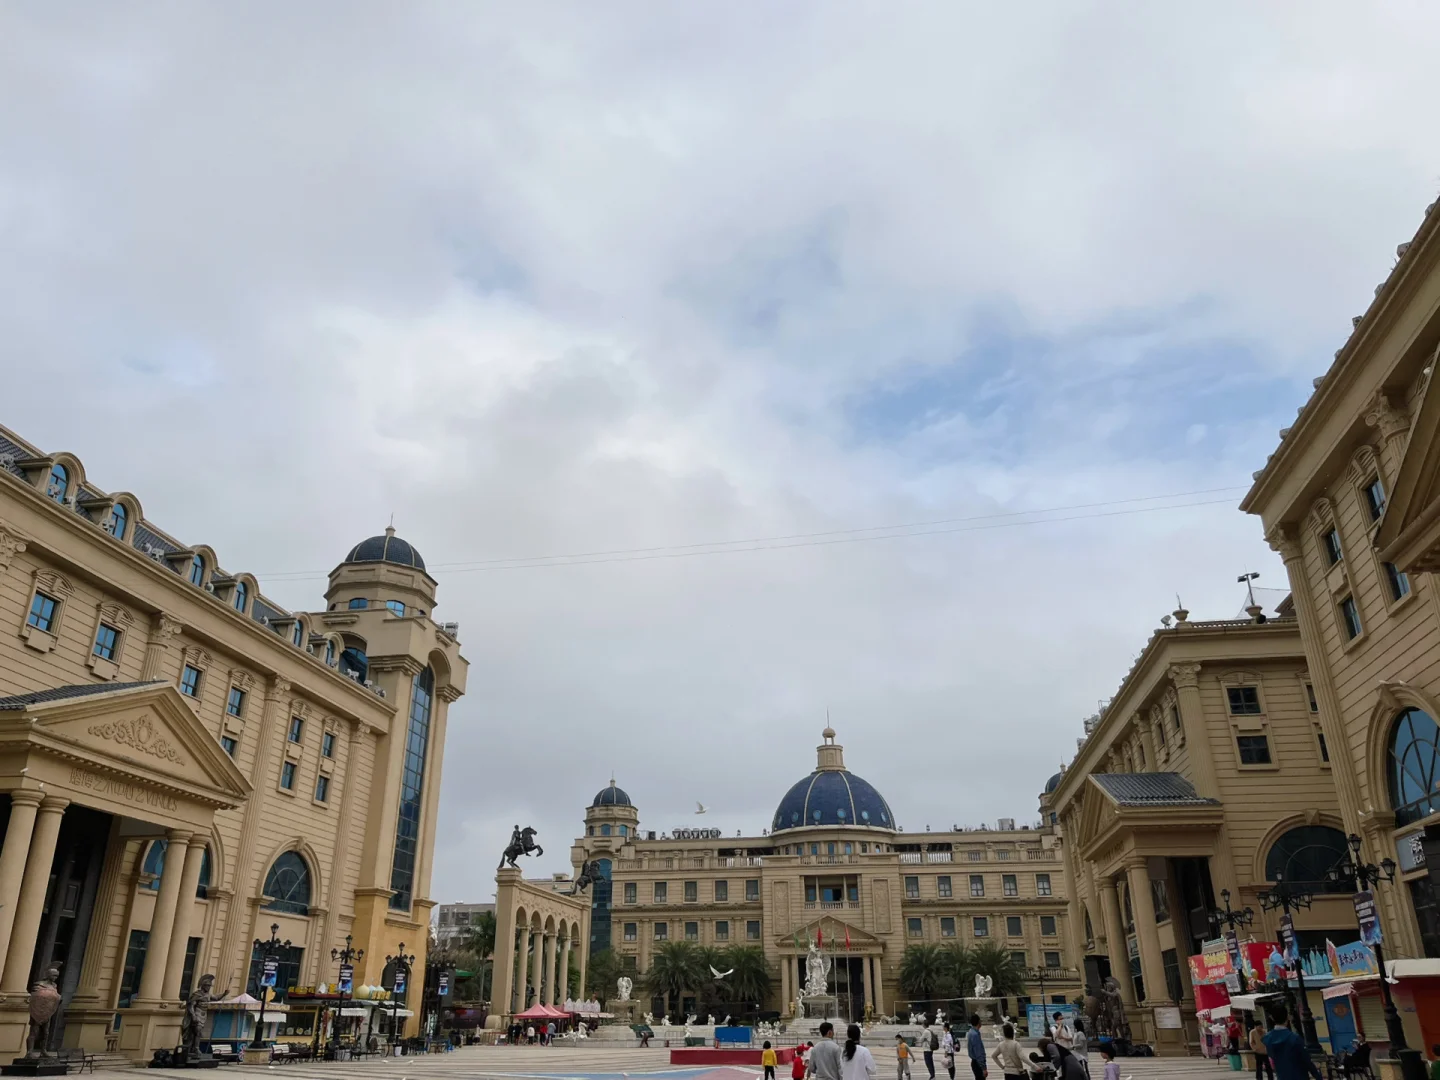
pixel 555 279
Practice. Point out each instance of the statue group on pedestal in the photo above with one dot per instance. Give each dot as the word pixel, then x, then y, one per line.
pixel 522 842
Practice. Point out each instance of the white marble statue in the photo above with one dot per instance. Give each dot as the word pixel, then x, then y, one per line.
pixel 710 1020
pixel 649 1019
pixel 917 1019
pixel 726 1021
pixel 983 983
pixel 623 986
pixel 817 972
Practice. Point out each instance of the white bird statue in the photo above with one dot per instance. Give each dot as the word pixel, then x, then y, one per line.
pixel 720 974
pixel 700 808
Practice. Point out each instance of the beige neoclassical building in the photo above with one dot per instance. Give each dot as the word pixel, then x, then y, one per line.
pixel 834 862
pixel 184 763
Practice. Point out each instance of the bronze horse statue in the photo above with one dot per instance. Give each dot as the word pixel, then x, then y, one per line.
pixel 589 874
pixel 522 842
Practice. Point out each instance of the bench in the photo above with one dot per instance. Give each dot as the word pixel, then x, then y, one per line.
pixel 75 1058
pixel 224 1052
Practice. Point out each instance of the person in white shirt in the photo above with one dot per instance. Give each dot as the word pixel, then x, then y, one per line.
pixel 856 1062
pixel 947 1052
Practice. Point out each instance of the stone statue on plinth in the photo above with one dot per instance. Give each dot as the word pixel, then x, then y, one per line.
pixel 589 874
pixel 623 986
pixel 44 1007
pixel 522 842
pixel 192 1024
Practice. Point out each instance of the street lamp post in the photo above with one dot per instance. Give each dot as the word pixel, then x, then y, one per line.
pixel 1039 974
pixel 1285 897
pixel 1230 920
pixel 399 966
pixel 1364 877
pixel 269 964
pixel 346 958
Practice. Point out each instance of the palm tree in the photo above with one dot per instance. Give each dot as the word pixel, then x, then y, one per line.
pixel 960 967
pixel 1007 976
pixel 924 975
pixel 749 978
pixel 601 974
pixel 478 940
pixel 675 968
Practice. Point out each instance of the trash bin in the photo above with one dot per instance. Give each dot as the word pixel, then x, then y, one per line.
pixel 1235 1063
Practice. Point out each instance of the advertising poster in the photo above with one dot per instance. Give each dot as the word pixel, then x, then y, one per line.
pixel 444 984
pixel 1037 1016
pixel 399 983
pixel 347 978
pixel 1366 916
pixel 1289 946
pixel 268 972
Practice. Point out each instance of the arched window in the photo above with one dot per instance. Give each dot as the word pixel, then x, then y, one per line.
pixel 1305 854
pixel 59 483
pixel 288 883
pixel 197 571
pixel 202 888
pixel 604 830
pixel 359 602
pixel 155 864
pixel 116 526
pixel 329 652
pixel 1414 766
pixel 624 830
pixel 412 784
pixel 241 595
pixel 354 660
pixel 298 634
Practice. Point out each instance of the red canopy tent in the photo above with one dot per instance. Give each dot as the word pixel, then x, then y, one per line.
pixel 542 1012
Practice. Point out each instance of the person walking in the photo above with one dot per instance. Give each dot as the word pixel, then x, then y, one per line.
pixel 767 1060
pixel 1063 1033
pixel 1287 1051
pixel 798 1062
pixel 1009 1056
pixel 856 1061
pixel 947 1052
pixel 975 1048
pixel 1080 1046
pixel 902 1058
pixel 825 1060
pixel 1262 1056
pixel 1112 1067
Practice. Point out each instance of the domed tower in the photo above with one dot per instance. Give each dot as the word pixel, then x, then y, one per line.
pixel 610 820
pixel 832 796
pixel 383 571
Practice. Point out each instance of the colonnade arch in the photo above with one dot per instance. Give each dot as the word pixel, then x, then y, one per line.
pixel 538 935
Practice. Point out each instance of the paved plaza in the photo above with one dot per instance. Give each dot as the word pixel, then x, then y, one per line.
pixel 602 1063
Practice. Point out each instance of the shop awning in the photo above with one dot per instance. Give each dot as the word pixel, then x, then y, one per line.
pixel 1249 1002
pixel 1397 969
pixel 347 1011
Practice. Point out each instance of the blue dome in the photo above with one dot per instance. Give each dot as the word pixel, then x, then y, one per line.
pixel 388 548
pixel 611 796
pixel 1053 783
pixel 832 797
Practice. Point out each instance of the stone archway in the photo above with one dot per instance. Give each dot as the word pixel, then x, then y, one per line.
pixel 548 926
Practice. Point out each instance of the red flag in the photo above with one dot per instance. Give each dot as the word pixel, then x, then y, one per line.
pixel 847 937
pixel 819 941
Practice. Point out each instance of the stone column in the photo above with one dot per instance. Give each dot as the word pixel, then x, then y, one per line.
pixel 23 804
pixel 879 985
pixel 184 910
pixel 162 922
pixel 552 942
pixel 157 648
pixel 865 962
pixel 1142 902
pixel 30 905
pixel 1115 940
pixel 563 979
pixel 786 997
pixel 537 964
pixel 522 946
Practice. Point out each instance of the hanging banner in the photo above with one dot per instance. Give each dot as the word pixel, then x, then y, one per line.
pixel 1369 921
pixel 399 983
pixel 1289 945
pixel 268 972
pixel 347 979
pixel 443 986
pixel 1232 950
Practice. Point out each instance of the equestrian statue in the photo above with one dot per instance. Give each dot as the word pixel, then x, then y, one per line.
pixel 522 842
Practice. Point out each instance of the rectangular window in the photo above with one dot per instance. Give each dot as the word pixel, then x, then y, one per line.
pixel 980 926
pixel 1175 717
pixel 1399 583
pixel 297 728
pixel 228 745
pixel 190 681
pixel 1331 543
pixel 752 930
pixel 1350 616
pixel 1375 499
pixel 395 606
pixel 1009 885
pixel 630 890
pixel 359 603
pixel 287 776
pixel 1013 926
pixel 722 930
pixel 662 892
pixel 1052 959
pixel 322 788
pixel 1244 700
pixel 42 612
pixel 632 931
pixel 1159 730
pixel 235 704
pixel 287 971
pixel 134 967
pixel 1254 749
pixel 1042 884
pixel 692 892
pixel 1324 749
pixel 947 925
pixel 1310 697
pixel 327 744
pixel 752 890
pixel 662 931
pixel 912 888
pixel 722 891
pixel 942 886
pixel 1047 925
pixel 412 790
pixel 1018 958
pixel 915 927
pixel 692 931
pixel 106 639
pixel 977 884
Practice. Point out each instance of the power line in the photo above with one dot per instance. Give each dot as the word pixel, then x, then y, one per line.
pixel 811 539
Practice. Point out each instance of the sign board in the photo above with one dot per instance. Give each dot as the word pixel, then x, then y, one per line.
pixel 399 987
pixel 1232 950
pixel 1369 921
pixel 1167 1018
pixel 695 834
pixel 1410 851
pixel 268 972
pixel 1038 1015
pixel 1210 966
pixel 443 985
pixel 1289 946
pixel 1232 982
pixel 1349 961
pixel 347 979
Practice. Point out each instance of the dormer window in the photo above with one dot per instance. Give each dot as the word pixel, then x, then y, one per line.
pixel 330 652
pixel 59 483
pixel 197 571
pixel 297 636
pixel 116 525
pixel 241 595
pixel 1375 498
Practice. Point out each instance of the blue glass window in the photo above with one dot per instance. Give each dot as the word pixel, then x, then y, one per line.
pixel 396 606
pixel 288 884
pixel 155 864
pixel 1305 855
pixel 1414 766
pixel 197 571
pixel 602 895
pixel 327 744
pixel 297 636
pixel 352 659
pixel 106 639
pixel 190 681
pixel 241 595
pixel 329 652
pixel 407 821
pixel 42 612
pixel 235 706
pixel 228 744
pixel 116 525
pixel 287 776
pixel 359 602
pixel 322 788
pixel 58 484
pixel 604 830
pixel 202 887
pixel 297 728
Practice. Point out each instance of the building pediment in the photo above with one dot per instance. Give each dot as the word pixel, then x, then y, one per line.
pixel 1409 533
pixel 1121 806
pixel 831 931
pixel 144 730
